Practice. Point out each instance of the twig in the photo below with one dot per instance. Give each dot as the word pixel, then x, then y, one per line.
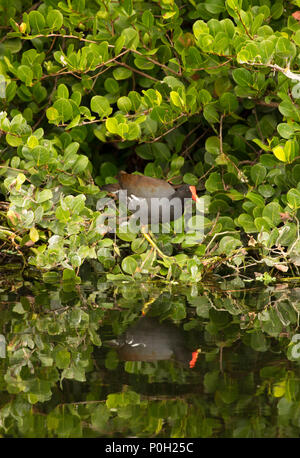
pixel 168 131
pixel 186 151
pixel 138 71
pixel 155 62
pixel 30 37
pixel 213 67
pixel 47 106
pixel 258 126
pixel 221 134
pixel 217 235
pixel 61 72
pixel 245 28
pixel 286 71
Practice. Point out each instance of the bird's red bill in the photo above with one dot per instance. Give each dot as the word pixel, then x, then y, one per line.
pixel 194 193
pixel 296 15
pixel 194 358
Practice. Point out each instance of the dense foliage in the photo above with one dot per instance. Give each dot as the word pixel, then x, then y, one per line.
pixel 204 93
pixel 53 382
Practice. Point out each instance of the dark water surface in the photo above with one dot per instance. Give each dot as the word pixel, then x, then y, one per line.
pixel 119 360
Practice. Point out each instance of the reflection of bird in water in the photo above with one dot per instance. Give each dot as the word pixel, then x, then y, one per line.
pixel 149 340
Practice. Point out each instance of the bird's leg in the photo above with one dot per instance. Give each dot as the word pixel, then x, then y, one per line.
pixel 152 243
pixel 147 304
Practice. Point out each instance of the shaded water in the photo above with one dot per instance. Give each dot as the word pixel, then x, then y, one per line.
pixel 113 360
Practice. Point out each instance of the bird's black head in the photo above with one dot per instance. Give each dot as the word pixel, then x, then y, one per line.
pixel 186 191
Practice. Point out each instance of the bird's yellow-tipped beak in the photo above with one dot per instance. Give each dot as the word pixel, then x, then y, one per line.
pixel 194 193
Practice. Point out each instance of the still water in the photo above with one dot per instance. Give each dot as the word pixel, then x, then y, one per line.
pixel 147 359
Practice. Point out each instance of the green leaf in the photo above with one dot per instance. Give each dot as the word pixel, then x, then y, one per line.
pixel 228 102
pixel 44 195
pixel 228 244
pixel 204 96
pixel 122 73
pixel 108 169
pixel 32 141
pixel 255 198
pixel 111 86
pixel 51 277
pixel 285 48
pixel 33 234
pixel 75 260
pixel 112 125
pixel 258 341
pixel 139 245
pixel 52 114
pixel 148 19
pixel 288 152
pixel 69 275
pixel 119 44
pixel 258 173
pixel 291 150
pixel 55 19
pixel 64 109
pixel 124 104
pixel 246 222
pixel 131 37
pixel 14 140
pixel 128 7
pixel 37 21
pixel 143 63
pixel 210 114
pixel 62 91
pixel 266 190
pixel 190 179
pixel 277 10
pixel 62 359
pixel 199 28
pixel 101 105
pixel 99 417
pixel 242 77
pixel 214 182
pixel 134 131
pixel 176 99
pixel 293 198
pixel 272 213
pixel 212 145
pixel 129 265
pixel 62 214
pixel 41 155
pixel 262 224
pixel 25 74
pixel 287 130
pixel 80 165
pixel 290 110
pixel 161 151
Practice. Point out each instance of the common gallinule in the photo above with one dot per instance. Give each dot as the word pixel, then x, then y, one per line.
pixel 149 340
pixel 154 200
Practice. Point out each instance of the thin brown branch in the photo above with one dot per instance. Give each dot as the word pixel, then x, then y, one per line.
pixel 168 131
pixel 165 67
pixel 186 151
pixel 47 106
pixel 245 28
pixel 267 104
pixel 30 37
pixel 72 72
pixel 213 67
pixel 138 71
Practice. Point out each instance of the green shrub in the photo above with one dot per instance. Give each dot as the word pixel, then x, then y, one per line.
pixel 202 93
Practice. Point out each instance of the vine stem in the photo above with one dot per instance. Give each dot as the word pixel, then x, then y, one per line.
pixel 153 244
